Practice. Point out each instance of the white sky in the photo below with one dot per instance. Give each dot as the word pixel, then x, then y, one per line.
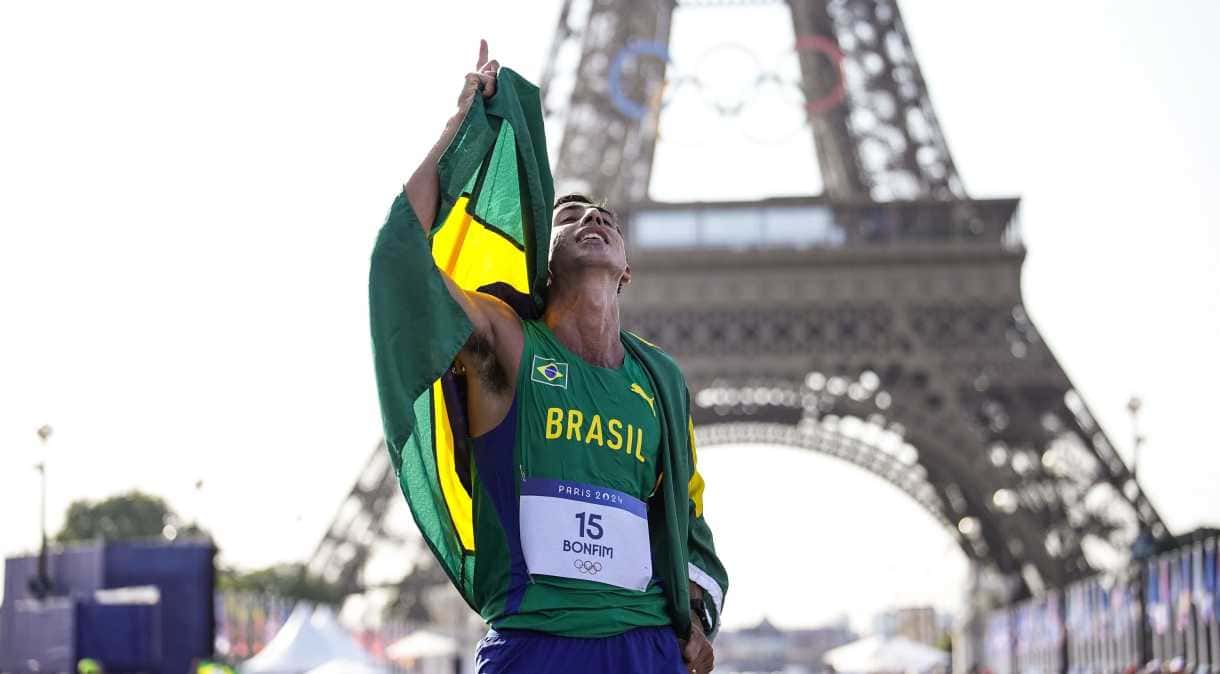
pixel 189 195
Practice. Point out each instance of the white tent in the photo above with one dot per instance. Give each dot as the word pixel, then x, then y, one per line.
pixel 421 644
pixel 886 654
pixel 310 638
pixel 344 666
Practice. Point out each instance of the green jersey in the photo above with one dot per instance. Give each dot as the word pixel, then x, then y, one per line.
pixel 561 522
pixel 491 233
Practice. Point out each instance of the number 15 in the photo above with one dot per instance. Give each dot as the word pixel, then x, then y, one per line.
pixel 590 528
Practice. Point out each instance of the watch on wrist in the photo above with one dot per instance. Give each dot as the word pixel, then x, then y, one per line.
pixel 705 618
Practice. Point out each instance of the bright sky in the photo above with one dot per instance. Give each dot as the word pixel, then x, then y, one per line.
pixel 191 191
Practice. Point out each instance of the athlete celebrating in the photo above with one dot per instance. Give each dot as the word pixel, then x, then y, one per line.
pixel 569 433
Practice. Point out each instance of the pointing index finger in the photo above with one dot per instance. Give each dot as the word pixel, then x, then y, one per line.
pixel 482 55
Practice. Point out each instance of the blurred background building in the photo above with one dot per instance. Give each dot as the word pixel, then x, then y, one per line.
pixel 917 623
pixel 767 648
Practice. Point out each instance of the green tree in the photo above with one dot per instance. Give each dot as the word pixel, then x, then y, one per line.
pixel 292 581
pixel 130 516
pixel 945 642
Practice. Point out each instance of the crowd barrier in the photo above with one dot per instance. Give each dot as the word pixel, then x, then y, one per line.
pixel 245 622
pixel 1160 615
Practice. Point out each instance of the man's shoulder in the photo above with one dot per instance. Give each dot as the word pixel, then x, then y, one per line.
pixel 656 357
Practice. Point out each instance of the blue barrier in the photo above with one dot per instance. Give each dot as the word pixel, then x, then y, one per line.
pixel 159 623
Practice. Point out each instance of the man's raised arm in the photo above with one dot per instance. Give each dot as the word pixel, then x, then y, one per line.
pixel 423 193
pixel 423 189
pixel 405 307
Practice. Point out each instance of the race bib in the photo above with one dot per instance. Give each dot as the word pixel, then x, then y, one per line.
pixel 585 532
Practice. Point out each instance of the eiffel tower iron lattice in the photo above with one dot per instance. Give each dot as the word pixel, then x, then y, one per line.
pixel 880 322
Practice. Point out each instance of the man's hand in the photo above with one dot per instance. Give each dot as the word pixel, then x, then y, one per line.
pixel 697 651
pixel 423 188
pixel 483 78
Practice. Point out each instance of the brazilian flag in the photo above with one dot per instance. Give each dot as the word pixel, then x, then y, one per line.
pixel 492 234
pixel 492 229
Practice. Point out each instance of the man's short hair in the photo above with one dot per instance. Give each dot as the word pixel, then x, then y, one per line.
pixel 578 198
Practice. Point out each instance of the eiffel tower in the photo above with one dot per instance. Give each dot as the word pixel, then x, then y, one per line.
pixel 879 322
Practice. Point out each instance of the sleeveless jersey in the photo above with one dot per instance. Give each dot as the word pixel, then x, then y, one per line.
pixel 560 514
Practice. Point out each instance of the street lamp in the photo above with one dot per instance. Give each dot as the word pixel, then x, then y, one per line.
pixel 1143 548
pixel 1144 545
pixel 1133 408
pixel 40 585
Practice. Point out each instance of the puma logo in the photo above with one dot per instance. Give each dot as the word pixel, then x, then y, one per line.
pixel 637 389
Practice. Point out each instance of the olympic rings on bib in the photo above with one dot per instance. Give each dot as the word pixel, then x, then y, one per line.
pixel 585 566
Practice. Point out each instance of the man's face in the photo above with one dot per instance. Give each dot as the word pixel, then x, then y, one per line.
pixel 583 236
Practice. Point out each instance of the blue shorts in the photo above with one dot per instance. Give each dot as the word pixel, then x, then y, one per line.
pixel 647 650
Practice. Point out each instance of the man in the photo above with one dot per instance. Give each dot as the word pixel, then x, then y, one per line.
pixel 572 425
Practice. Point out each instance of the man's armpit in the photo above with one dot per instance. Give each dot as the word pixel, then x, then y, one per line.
pixel 480 359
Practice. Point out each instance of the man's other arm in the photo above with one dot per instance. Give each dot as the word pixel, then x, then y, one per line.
pixel 708 579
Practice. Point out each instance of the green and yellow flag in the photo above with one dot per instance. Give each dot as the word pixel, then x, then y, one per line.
pixel 492 233
pixel 492 227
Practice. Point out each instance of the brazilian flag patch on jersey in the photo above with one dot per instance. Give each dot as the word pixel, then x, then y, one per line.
pixel 549 372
